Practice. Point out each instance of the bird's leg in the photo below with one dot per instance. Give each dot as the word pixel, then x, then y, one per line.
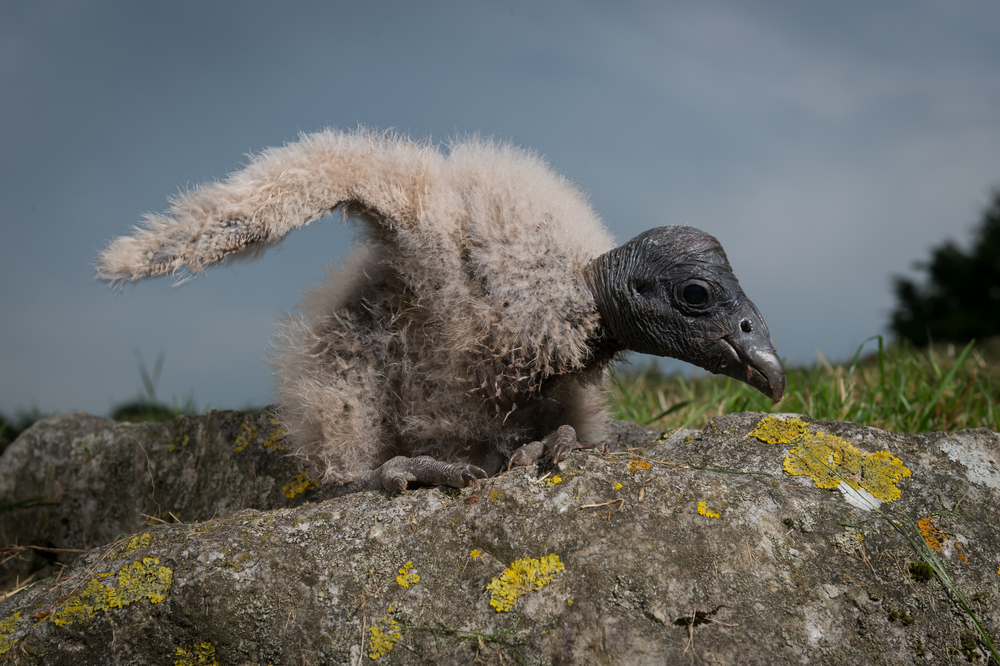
pixel 397 473
pixel 556 444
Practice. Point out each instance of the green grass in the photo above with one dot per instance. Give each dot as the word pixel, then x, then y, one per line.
pixel 895 388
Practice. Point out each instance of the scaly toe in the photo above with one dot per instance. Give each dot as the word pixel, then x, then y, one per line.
pixel 526 455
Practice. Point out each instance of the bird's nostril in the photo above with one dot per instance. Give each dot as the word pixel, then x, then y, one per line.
pixel 746 326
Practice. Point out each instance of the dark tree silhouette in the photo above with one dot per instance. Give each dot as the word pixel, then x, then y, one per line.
pixel 961 298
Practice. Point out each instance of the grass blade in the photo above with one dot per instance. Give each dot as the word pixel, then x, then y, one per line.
pixel 921 422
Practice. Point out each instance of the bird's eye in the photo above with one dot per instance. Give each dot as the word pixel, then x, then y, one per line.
pixel 695 294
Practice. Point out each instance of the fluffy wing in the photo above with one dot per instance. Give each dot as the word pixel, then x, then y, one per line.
pixel 528 233
pixel 381 177
pixel 487 242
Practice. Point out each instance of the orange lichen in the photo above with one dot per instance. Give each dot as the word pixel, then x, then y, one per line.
pixel 637 465
pixel 932 535
pixel 937 540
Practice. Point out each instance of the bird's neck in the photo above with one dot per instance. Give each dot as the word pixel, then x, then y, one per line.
pixel 603 344
pixel 604 348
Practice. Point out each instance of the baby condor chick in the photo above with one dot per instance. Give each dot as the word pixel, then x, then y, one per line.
pixel 471 327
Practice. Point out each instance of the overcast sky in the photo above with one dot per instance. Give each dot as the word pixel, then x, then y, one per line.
pixel 827 145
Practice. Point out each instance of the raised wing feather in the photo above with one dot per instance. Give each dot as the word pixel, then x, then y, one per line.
pixel 281 189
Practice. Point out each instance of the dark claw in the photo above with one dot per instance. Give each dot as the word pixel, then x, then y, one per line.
pixel 397 483
pixel 471 475
pixel 556 444
pixel 561 443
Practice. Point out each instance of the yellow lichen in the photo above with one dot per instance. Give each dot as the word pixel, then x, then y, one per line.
pixel 637 465
pixel 779 431
pixel 829 459
pixel 406 578
pixel 271 443
pixel 385 633
pixel 705 511
pixel 301 484
pixel 144 579
pixel 822 459
pixel 183 442
pixel 522 576
pixel 8 626
pixel 202 654
pixel 135 543
pixel 476 554
pixel 553 480
pixel 243 439
pixel 617 486
pixel 249 434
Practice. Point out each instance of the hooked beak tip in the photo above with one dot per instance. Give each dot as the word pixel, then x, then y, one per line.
pixel 767 376
pixel 761 365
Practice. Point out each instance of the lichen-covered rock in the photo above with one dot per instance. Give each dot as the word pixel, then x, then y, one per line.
pixel 76 481
pixel 697 546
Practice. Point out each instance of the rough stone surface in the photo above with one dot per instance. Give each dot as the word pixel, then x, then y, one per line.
pixel 83 480
pixel 692 547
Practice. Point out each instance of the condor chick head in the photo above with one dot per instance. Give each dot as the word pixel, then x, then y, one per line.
pixel 670 292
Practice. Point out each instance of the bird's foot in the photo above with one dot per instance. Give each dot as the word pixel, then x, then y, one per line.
pixel 397 473
pixel 556 444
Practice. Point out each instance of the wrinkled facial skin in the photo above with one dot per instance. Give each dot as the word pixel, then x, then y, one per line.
pixel 670 292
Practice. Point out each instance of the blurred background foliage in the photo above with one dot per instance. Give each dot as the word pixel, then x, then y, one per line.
pixel 960 300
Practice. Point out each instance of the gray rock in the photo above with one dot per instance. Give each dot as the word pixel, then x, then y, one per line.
pixel 81 481
pixel 694 546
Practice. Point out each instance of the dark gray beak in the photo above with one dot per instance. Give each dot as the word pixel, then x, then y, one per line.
pixel 751 357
